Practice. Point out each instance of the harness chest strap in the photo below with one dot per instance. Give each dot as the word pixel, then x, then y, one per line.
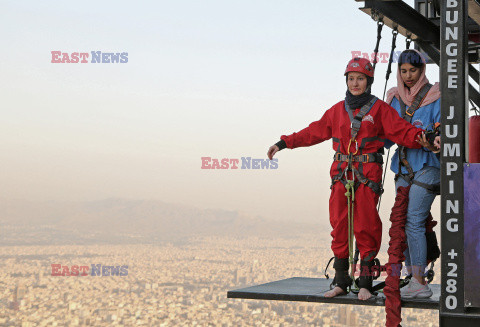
pixel 407 114
pixel 356 121
pixel 350 158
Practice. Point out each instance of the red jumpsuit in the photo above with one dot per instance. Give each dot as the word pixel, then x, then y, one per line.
pixel 380 123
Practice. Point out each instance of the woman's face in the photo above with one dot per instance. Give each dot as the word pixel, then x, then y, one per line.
pixel 356 83
pixel 410 74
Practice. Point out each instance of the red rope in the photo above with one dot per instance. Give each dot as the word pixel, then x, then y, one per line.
pixel 397 245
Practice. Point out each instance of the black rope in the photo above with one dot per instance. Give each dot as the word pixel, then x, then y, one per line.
pixel 408 40
pixel 384 174
pixel 390 60
pixel 379 37
pixel 389 71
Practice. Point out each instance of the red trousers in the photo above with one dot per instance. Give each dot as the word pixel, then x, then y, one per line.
pixel 367 225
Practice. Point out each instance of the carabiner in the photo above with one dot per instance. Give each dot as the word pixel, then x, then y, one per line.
pixel 408 40
pixel 356 146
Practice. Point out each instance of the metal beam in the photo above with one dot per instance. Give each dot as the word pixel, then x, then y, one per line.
pixel 430 50
pixel 408 19
pixel 474 95
pixel 460 320
pixel 434 54
pixel 473 73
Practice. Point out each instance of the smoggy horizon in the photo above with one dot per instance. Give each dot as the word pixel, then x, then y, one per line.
pixel 218 80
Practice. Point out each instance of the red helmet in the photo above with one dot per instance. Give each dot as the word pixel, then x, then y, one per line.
pixel 360 65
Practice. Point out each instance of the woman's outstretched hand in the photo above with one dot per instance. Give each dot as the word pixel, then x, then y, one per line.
pixel 422 140
pixel 271 151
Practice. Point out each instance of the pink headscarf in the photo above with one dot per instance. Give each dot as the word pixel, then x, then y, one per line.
pixel 408 95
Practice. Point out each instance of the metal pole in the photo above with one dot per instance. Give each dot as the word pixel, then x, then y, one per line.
pixel 454 88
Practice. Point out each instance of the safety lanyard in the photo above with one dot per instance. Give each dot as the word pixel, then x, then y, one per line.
pixel 356 123
pixel 350 194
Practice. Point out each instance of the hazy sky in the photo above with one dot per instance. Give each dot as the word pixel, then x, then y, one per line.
pixel 222 79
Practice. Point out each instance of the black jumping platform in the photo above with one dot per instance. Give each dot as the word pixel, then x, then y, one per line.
pixel 312 289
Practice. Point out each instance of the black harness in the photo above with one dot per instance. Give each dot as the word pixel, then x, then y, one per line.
pixel 350 158
pixel 407 114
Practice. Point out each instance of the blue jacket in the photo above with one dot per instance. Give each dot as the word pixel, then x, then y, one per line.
pixel 424 117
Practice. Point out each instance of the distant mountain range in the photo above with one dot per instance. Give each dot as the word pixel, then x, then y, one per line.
pixel 118 221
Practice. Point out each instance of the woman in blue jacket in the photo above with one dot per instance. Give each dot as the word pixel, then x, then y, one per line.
pixel 419 103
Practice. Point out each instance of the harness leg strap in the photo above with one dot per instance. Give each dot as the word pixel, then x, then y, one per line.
pixel 342 279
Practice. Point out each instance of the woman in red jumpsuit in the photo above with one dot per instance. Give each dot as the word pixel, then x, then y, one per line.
pixel 358 127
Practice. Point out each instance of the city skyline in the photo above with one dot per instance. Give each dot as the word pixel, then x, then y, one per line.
pixel 175 285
